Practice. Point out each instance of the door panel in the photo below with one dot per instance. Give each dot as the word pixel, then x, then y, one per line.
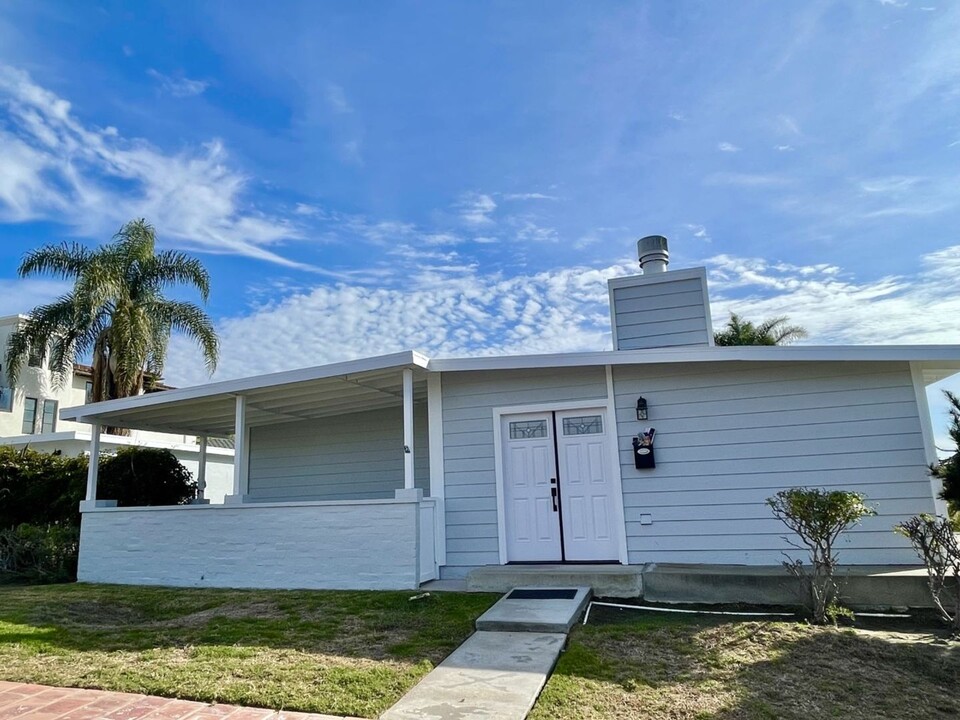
pixel 532 525
pixel 586 486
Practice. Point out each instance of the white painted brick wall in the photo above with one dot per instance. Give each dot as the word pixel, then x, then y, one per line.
pixel 362 546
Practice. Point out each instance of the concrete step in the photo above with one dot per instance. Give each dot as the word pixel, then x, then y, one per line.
pixel 622 581
pixel 536 610
pixel 492 675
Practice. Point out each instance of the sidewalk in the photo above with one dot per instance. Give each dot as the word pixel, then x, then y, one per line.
pixel 38 702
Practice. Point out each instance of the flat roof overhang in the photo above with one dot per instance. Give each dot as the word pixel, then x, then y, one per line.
pixel 375 383
pixel 304 394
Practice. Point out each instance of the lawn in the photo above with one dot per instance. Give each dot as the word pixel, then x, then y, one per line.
pixel 643 665
pixel 344 653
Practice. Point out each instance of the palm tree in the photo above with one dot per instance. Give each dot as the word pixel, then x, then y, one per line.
pixel 774 331
pixel 115 313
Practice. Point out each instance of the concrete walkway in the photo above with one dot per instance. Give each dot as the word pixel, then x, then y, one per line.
pixel 499 671
pixel 38 702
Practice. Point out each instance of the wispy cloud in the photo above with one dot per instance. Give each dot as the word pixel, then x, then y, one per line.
pixel 727 147
pixel 337 99
pixel 746 179
pixel 476 208
pixel 528 196
pixel 55 167
pixel 306 209
pixel 698 231
pixel 180 87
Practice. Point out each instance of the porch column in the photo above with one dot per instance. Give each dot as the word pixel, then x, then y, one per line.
pixel 93 467
pixel 408 480
pixel 93 470
pixel 202 467
pixel 241 465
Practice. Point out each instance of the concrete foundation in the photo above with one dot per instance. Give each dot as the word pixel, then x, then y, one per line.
pixel 863 587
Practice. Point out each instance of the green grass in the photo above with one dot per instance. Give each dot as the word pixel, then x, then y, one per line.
pixel 344 653
pixel 637 665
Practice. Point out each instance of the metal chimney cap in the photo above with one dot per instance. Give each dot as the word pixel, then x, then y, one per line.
pixel 653 253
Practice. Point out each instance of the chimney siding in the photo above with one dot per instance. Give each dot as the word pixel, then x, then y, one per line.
pixel 669 309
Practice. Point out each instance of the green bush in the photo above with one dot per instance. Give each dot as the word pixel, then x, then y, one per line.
pixel 138 476
pixel 39 488
pixel 39 553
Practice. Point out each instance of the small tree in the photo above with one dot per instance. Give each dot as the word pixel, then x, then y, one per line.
pixel 818 517
pixel 937 545
pixel 142 476
pixel 948 470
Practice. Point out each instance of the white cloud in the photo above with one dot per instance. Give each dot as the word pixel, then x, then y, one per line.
pixel 727 147
pixel 529 196
pixel 451 310
pixel 306 209
pixel 337 99
pixel 745 179
pixel 788 125
pixel 180 87
pixel 21 296
pixel 54 167
pixel 698 231
pixel 783 148
pixel 476 208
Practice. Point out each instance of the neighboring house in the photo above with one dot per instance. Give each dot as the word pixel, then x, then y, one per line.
pixel 29 416
pixel 385 472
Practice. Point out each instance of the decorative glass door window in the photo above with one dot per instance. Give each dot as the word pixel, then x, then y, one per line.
pixel 524 430
pixel 49 423
pixel 29 416
pixel 583 425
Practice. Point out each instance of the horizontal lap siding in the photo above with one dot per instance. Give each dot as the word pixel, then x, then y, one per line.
pixel 730 436
pixel 660 315
pixel 348 457
pixel 469 475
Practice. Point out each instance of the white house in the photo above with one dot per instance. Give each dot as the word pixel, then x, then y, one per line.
pixel 385 472
pixel 29 417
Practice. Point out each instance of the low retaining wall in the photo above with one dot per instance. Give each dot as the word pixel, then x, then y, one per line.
pixel 356 545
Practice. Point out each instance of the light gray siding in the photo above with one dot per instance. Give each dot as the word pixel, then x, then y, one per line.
pixel 469 475
pixel 730 435
pixel 349 457
pixel 665 313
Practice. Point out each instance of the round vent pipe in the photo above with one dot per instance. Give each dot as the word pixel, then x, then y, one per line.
pixel 653 254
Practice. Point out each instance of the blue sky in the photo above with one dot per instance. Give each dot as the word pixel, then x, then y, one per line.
pixel 463 177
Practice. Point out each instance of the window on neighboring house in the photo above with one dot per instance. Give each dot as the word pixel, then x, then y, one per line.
pixel 49 423
pixel 88 392
pixel 6 399
pixel 29 416
pixel 35 359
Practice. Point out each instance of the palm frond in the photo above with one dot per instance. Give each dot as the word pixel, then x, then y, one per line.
pixel 193 322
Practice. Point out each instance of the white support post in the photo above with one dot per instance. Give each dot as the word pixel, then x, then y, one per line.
pixel 93 467
pixel 241 464
pixel 202 468
pixel 408 479
pixel 437 488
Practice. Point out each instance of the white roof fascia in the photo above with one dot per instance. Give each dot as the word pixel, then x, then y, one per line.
pixel 108 441
pixel 808 353
pixel 407 358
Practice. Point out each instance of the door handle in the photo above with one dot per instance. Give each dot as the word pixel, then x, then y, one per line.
pixel 553 496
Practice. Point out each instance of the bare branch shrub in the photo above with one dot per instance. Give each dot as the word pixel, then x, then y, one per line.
pixel 936 543
pixel 818 517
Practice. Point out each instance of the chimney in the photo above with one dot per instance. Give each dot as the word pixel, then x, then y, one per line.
pixel 659 309
pixel 653 254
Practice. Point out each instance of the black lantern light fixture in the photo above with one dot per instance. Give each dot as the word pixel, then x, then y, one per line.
pixel 641 409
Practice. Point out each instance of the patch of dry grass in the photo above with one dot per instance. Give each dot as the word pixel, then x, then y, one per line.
pixel 659 668
pixel 344 653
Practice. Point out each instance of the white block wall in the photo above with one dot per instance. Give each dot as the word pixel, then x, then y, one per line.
pixel 368 545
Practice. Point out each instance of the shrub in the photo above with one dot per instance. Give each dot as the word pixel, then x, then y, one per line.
pixel 39 553
pixel 39 488
pixel 948 470
pixel 937 545
pixel 818 517
pixel 138 476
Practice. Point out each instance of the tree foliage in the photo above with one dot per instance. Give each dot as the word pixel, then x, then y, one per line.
pixel 143 476
pixel 116 312
pixel 774 331
pixel 818 517
pixel 948 470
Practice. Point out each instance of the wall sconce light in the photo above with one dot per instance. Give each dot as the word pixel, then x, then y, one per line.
pixel 641 409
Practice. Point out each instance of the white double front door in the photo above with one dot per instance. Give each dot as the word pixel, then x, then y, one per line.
pixel 559 499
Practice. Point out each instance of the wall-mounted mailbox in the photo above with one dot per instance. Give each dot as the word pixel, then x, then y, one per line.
pixel 643 456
